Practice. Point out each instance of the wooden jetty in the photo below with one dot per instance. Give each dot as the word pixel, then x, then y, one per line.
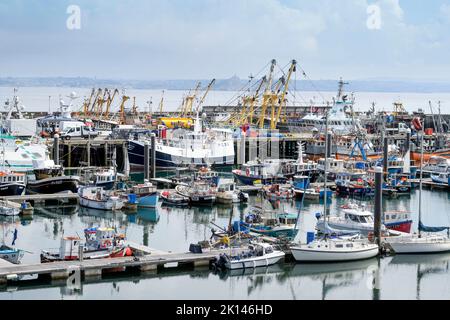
pixel 43 198
pixel 95 267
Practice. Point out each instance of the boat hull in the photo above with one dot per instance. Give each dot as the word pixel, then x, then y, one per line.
pixel 148 201
pixel 12 255
pixel 53 185
pixel 414 247
pixel 107 205
pixel 256 262
pixel 167 160
pixel 313 255
pixel 251 180
pixel 11 189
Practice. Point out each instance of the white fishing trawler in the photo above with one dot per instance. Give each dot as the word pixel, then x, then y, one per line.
pixel 199 147
pixel 340 120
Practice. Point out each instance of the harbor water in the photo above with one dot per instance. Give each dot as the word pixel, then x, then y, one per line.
pixel 173 229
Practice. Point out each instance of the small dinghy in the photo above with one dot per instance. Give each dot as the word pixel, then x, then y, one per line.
pixel 257 255
pixel 98 198
pixel 9 211
pixel 172 198
pixel 11 254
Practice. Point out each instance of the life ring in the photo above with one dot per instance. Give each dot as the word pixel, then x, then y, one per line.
pixel 371 236
pixel 417 124
pixel 247 172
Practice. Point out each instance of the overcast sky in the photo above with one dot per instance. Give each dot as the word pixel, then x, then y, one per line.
pixel 201 39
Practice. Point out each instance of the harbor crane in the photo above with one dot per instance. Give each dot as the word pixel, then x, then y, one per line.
pixel 282 99
pixel 109 102
pixel 189 101
pixel 208 88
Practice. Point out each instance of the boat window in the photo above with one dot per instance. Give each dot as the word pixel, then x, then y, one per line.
pixel 349 245
pixel 339 246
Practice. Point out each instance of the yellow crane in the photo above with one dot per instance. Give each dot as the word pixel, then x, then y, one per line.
pixel 91 110
pixel 122 108
pixel 208 88
pixel 161 103
pixel 109 102
pixel 87 103
pixel 100 102
pixel 188 102
pixel 246 115
pixel 282 99
pixel 267 95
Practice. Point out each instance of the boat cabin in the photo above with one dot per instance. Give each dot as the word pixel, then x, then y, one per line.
pixel 260 249
pixel 101 238
pixel 145 188
pixel 69 248
pixel 333 165
pixel 12 177
pixel 105 177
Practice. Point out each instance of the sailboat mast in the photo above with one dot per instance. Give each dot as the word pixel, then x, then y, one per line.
pixel 420 180
pixel 325 168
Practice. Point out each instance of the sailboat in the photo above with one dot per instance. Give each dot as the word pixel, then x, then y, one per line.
pixel 331 248
pixel 432 241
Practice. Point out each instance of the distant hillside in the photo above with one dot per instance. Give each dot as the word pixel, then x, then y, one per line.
pixel 231 84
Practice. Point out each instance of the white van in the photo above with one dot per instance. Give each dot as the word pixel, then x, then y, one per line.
pixel 79 132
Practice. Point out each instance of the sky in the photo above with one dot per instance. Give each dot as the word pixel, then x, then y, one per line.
pixel 204 39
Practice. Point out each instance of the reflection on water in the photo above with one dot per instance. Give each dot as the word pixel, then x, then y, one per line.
pixel 173 229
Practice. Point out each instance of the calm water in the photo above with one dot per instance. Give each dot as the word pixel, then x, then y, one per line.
pixel 401 277
pixel 37 98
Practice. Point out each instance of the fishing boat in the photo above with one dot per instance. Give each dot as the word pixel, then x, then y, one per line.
pixel 260 172
pixel 49 178
pixel 172 198
pixel 301 189
pixel 437 165
pixel 278 192
pixel 270 223
pixel 98 198
pixel 99 243
pixel 257 255
pixel 186 147
pixel 105 178
pixel 227 193
pixel 353 184
pixel 442 178
pixel 341 121
pixel 147 194
pixel 11 183
pixel 198 193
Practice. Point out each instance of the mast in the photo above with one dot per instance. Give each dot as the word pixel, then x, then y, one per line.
pixel 420 180
pixel 325 171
